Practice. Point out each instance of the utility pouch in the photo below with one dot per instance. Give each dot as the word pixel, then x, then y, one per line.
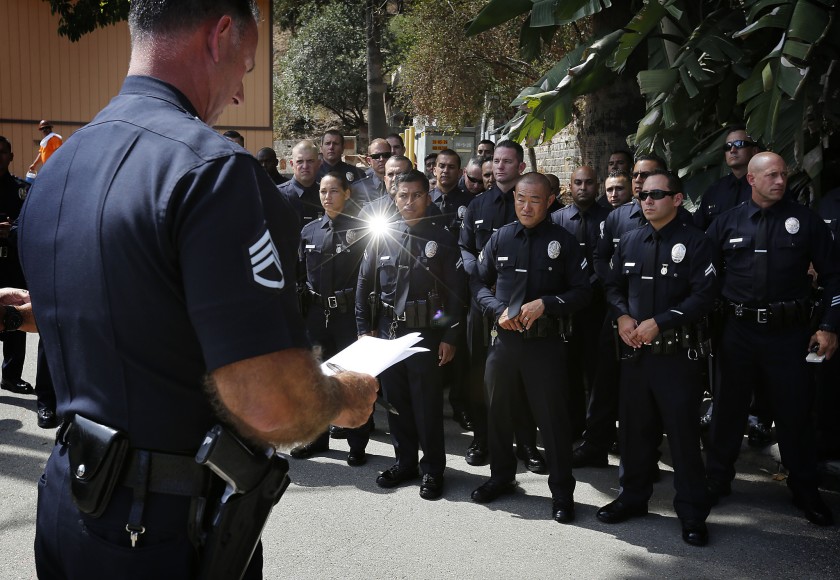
pixel 97 454
pixel 341 300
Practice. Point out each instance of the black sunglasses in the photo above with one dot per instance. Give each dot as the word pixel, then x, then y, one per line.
pixel 385 155
pixel 642 174
pixel 656 194
pixel 738 144
pixel 473 179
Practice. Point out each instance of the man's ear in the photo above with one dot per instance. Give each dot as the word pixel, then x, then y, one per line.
pixel 678 199
pixel 219 37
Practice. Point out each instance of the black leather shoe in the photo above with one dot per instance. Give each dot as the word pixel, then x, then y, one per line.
pixel 531 457
pixel 563 510
pixel 477 453
pixel 19 386
pixel 814 508
pixel 356 458
pixel 588 456
pixel 47 419
pixel 307 450
pixel 394 476
pixel 431 487
pixel 695 533
pixel 717 489
pixel 491 490
pixel 617 511
pixel 464 420
pixel 338 432
pixel 760 435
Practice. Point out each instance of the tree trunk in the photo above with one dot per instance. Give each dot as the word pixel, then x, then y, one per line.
pixel 377 125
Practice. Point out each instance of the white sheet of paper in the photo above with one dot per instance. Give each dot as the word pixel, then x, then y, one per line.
pixel 373 355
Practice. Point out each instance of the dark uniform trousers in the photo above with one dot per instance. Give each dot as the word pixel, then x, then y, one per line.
pixel 584 359
pixel 662 390
pixel 100 547
pixel 753 357
pixel 415 389
pixel 602 411
pixel 535 367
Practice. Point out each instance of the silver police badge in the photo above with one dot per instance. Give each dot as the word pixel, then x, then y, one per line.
pixel 553 249
pixel 431 249
pixel 601 226
pixel 352 236
pixel 349 175
pixel 462 211
pixel 792 225
pixel 677 253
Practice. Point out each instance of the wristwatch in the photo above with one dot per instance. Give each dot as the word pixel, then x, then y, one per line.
pixel 12 319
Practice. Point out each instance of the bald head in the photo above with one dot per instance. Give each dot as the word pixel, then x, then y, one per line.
pixel 584 187
pixel 531 198
pixel 767 174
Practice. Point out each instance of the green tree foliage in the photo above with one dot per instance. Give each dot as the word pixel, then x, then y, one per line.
pixel 450 78
pixel 323 69
pixel 79 17
pixel 770 63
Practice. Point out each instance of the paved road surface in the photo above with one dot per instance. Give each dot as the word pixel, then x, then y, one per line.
pixel 334 522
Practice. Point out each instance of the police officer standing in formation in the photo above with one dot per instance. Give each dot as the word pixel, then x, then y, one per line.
pixel 487 213
pixel 412 281
pixel 267 157
pixel 530 277
pixel 372 187
pixel 302 189
pixel 473 181
pixel 618 188
pixel 395 140
pixel 583 219
pixel 137 401
pixel 765 247
pixel 487 173
pixel 733 189
pixel 429 164
pixel 332 150
pixel 485 148
pixel 331 250
pixel 12 193
pixel 663 284
pixel 452 203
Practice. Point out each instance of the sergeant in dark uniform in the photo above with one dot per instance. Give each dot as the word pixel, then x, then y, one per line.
pixel 584 219
pixel 765 248
pixel 302 189
pixel 193 314
pixel 828 373
pixel 540 277
pixel 12 193
pixel 332 150
pixel 415 278
pixel 331 250
pixel 487 213
pixel 733 189
pixel 663 283
pixel 453 203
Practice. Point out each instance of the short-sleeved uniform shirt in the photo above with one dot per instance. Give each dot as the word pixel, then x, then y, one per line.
pixel 156 251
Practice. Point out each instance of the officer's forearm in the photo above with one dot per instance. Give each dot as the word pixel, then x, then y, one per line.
pixel 279 398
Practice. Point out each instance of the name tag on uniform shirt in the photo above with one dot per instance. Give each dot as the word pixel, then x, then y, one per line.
pixel 503 258
pixel 310 246
pixel 629 264
pixel 383 258
pixel 736 240
pixel 479 222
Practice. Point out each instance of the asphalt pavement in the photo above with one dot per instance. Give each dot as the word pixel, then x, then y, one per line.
pixel 334 522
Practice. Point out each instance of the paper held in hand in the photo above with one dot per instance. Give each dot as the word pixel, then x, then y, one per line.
pixel 371 355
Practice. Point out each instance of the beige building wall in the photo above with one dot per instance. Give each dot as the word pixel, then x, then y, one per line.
pixel 45 76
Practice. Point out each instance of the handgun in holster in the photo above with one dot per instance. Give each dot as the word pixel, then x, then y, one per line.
pixel 254 482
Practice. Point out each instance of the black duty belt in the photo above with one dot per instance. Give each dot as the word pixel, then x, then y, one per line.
pixel 547 327
pixel 340 299
pixel 776 314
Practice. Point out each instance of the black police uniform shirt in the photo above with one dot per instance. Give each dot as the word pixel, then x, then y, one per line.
pixel 435 266
pixel 829 211
pixel 797 237
pixel 721 196
pixel 350 172
pixel 384 211
pixel 332 251
pixel 570 218
pixel 556 270
pixel 486 214
pixel 12 193
pixel 169 255
pixel 305 200
pixel 674 284
pixel 452 206
pixel 366 190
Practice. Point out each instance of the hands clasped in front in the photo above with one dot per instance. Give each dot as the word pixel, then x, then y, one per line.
pixel 635 334
pixel 523 321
